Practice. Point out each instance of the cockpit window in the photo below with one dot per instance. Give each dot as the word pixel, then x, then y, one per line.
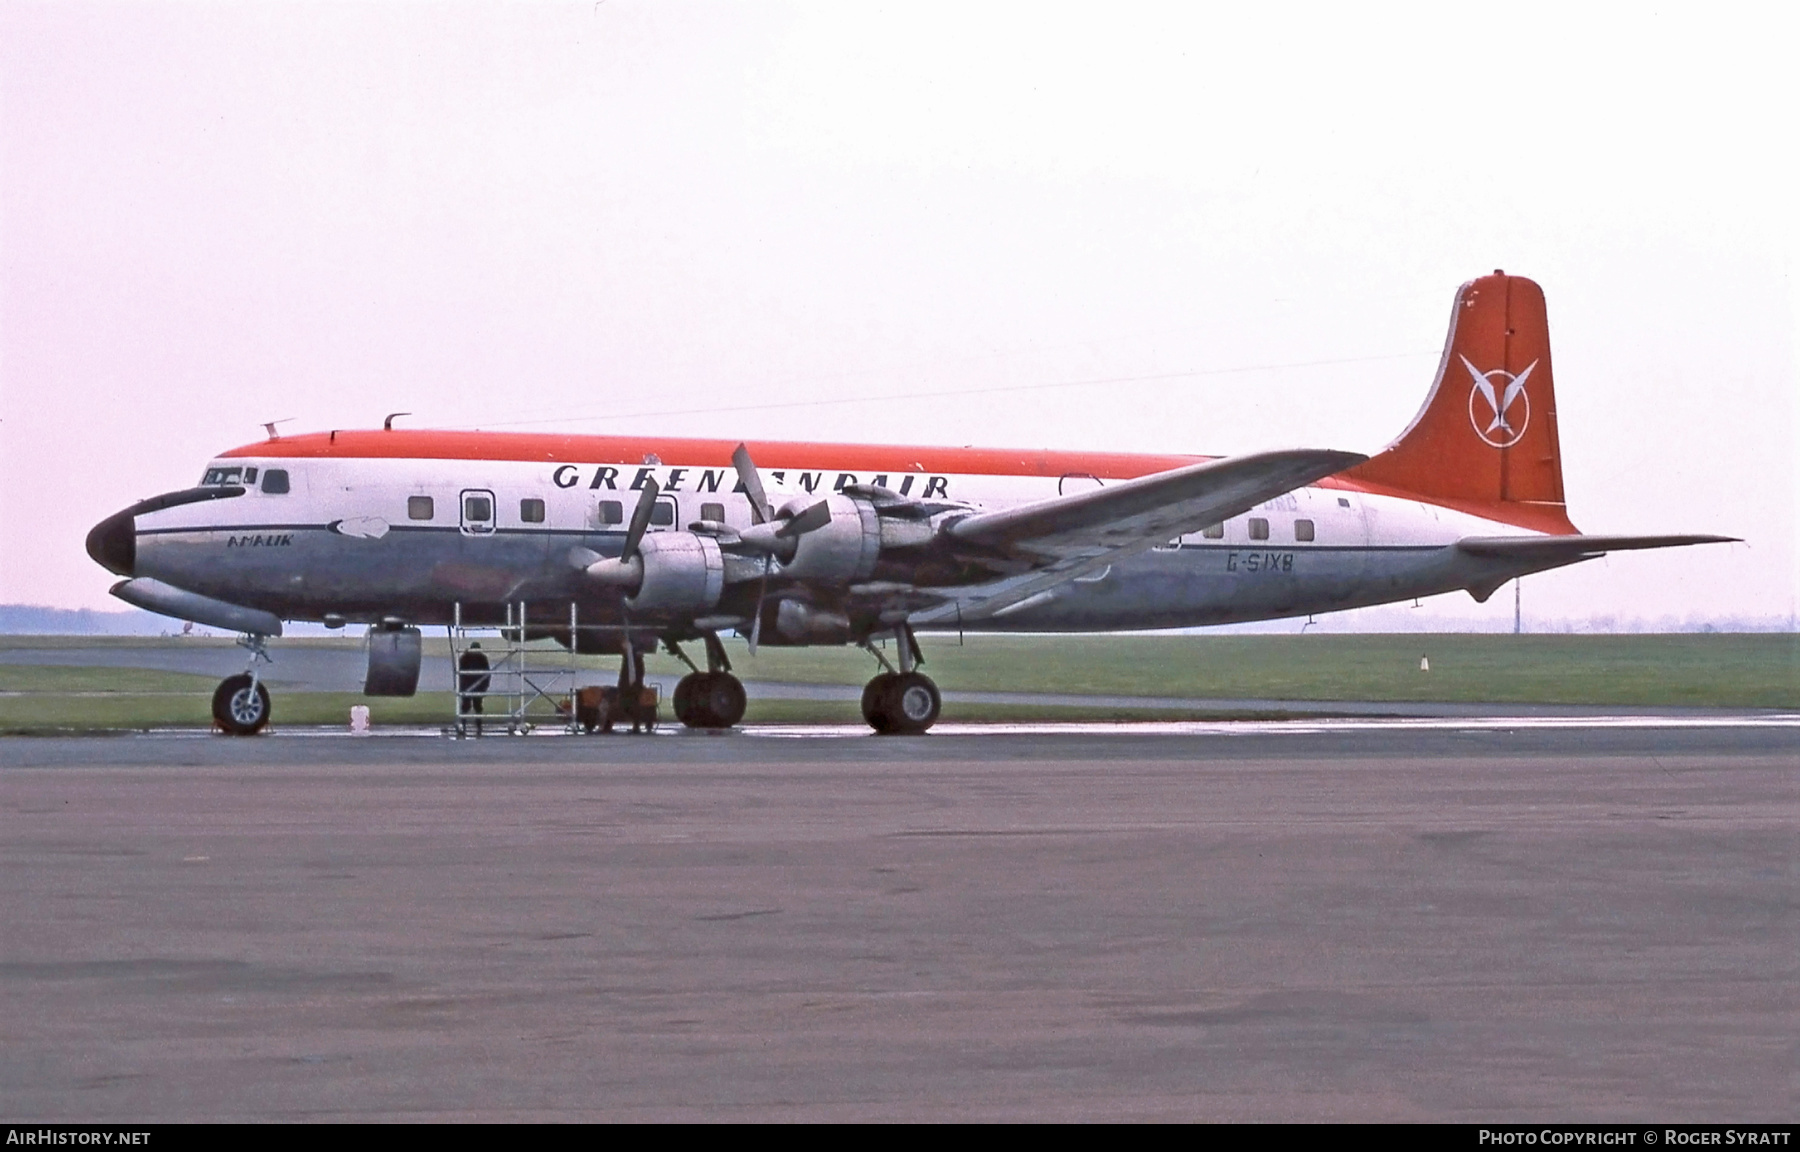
pixel 222 476
pixel 275 482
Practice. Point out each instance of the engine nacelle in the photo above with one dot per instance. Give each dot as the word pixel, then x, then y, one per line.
pixel 843 551
pixel 683 572
pixel 801 623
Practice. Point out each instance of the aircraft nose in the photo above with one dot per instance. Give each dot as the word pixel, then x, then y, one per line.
pixel 113 543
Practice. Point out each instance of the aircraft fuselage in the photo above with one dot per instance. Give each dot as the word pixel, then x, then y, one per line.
pixel 364 540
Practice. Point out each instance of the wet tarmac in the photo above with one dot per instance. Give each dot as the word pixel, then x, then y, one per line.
pixel 1448 919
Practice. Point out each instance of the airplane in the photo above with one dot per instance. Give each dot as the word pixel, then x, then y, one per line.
pixel 618 544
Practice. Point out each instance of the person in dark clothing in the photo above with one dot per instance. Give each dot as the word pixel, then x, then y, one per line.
pixel 472 682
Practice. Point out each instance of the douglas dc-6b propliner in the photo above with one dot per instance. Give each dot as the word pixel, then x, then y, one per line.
pixel 615 544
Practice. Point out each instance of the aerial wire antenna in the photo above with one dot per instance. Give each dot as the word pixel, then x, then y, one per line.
pixel 387 425
pixel 270 425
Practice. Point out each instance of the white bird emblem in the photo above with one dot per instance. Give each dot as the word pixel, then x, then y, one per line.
pixel 1507 435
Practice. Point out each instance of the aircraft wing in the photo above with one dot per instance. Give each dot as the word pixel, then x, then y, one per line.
pixel 1572 548
pixel 1150 509
pixel 1069 536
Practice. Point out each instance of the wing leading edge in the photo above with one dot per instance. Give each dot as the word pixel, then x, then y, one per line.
pixel 1151 508
pixel 1070 536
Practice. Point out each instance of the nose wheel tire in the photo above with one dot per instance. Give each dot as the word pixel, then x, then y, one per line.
pixel 709 700
pixel 901 704
pixel 240 706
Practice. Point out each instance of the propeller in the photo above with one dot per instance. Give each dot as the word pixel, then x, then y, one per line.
pixel 778 537
pixel 768 534
pixel 628 570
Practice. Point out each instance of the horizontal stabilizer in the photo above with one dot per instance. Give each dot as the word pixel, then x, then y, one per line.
pixel 1572 548
pixel 1155 507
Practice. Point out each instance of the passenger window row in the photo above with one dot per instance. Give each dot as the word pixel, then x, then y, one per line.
pixel 611 512
pixel 531 510
pixel 1258 527
pixel 476 509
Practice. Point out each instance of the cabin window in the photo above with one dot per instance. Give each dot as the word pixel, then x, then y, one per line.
pixel 611 512
pixel 531 510
pixel 1213 531
pixel 662 514
pixel 1303 531
pixel 419 508
pixel 222 476
pixel 477 509
pixel 1259 528
pixel 713 512
pixel 275 482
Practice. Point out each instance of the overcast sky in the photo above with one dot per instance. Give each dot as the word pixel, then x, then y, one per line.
pixel 1159 228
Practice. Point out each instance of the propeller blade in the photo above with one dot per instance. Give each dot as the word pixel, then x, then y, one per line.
pixel 762 587
pixel 811 520
pixel 752 482
pixel 640 518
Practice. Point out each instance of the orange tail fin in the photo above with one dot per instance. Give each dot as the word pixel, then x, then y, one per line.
pixel 1485 441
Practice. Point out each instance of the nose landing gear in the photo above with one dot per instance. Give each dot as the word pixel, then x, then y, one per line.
pixel 904 702
pixel 240 705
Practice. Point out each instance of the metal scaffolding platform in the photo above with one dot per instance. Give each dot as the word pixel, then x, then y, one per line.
pixel 505 684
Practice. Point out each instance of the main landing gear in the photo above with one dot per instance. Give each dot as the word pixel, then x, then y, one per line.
pixel 713 698
pixel 903 702
pixel 634 702
pixel 240 705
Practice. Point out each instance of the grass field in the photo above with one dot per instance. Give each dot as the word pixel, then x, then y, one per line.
pixel 1720 670
pixel 1759 670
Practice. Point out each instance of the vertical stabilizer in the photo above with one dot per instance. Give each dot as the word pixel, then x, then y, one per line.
pixel 1486 440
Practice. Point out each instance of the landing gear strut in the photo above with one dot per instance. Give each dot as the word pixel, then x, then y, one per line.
pixel 713 698
pixel 903 702
pixel 240 705
pixel 636 700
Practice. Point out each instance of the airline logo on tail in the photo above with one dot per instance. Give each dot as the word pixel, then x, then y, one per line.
pixel 1493 418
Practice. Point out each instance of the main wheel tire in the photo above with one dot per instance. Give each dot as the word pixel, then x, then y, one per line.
pixel 690 700
pixel 721 698
pixel 874 700
pixel 237 709
pixel 911 704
